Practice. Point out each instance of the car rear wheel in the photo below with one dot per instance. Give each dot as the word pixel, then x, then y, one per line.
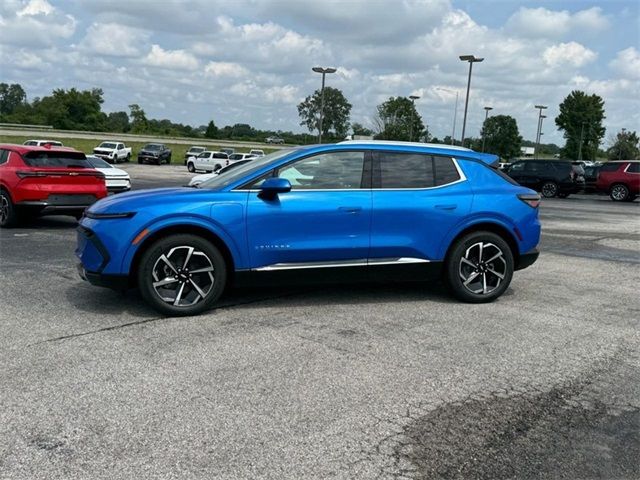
pixel 191 168
pixel 619 193
pixel 182 275
pixel 549 189
pixel 479 267
pixel 8 216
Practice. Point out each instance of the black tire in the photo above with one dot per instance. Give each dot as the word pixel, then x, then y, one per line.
pixel 8 214
pixel 190 167
pixel 175 249
pixel 217 167
pixel 619 193
pixel 128 159
pixel 169 160
pixel 458 270
pixel 549 189
pixel 139 161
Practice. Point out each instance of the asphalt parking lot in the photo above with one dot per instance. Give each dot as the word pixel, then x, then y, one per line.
pixel 371 381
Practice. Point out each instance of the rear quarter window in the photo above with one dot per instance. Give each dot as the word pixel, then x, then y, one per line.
pixel 633 167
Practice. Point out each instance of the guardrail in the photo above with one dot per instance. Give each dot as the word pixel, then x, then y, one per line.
pixel 21 125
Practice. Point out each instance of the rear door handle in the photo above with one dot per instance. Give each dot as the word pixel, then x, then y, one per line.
pixel 350 209
pixel 447 207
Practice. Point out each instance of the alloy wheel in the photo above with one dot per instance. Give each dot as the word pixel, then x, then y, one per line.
pixel 619 193
pixel 482 268
pixel 549 190
pixel 183 277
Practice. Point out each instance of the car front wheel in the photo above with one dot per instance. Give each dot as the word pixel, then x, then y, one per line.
pixel 479 267
pixel 8 215
pixel 182 275
pixel 619 193
pixel 549 189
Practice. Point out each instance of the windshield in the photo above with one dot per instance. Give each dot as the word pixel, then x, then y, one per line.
pixel 107 145
pixel 98 163
pixel 152 146
pixel 56 159
pixel 245 170
pixel 196 149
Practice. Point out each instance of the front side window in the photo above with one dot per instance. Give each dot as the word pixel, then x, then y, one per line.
pixel 326 171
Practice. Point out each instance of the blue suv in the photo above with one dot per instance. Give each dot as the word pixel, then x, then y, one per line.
pixel 358 209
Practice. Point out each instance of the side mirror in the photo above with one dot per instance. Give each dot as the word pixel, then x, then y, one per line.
pixel 271 187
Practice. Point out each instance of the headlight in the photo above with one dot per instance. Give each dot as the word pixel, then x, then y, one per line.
pixel 108 216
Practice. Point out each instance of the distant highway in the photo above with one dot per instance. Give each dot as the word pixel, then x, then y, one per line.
pixel 101 136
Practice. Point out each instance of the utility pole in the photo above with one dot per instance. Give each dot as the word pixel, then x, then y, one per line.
pixel 540 108
pixel 413 115
pixel 484 126
pixel 323 71
pixel 471 59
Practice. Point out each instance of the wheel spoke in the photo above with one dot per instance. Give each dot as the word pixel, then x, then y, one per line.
pixel 176 302
pixel 468 262
pixel 499 275
pixel 481 246
pixel 197 288
pixel 202 270
pixel 471 278
pixel 164 258
pixel 497 255
pixel 484 283
pixel 188 257
pixel 166 281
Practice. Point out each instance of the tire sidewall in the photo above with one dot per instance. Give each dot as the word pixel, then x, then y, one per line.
pixel 453 260
pixel 163 245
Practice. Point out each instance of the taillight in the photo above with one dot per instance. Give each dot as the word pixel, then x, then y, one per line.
pixel 25 174
pixel 531 199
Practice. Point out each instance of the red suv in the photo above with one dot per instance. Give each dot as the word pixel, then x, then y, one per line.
pixel 620 179
pixel 46 180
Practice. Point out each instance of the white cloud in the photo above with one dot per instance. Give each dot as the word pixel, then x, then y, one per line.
pixel 225 69
pixel 111 39
pixel 35 23
pixel 543 23
pixel 171 59
pixel 571 53
pixel 36 7
pixel 627 63
pixel 284 94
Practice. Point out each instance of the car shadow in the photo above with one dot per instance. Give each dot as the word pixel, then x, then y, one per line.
pixel 52 222
pixel 103 301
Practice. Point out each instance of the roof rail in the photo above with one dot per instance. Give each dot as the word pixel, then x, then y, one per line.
pixel 411 144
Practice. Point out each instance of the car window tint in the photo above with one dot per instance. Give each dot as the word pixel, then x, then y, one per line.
pixel 445 171
pixel 327 171
pixel 609 167
pixel 4 156
pixel 220 155
pixel 405 170
pixel 634 168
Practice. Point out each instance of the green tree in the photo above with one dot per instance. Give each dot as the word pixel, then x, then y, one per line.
pixel 71 109
pixel 501 136
pixel 398 119
pixel 139 122
pixel 359 129
pixel 11 97
pixel 336 112
pixel 624 146
pixel 211 131
pixel 580 118
pixel 117 122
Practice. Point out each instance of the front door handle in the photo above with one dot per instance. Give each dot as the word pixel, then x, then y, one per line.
pixel 350 209
pixel 447 207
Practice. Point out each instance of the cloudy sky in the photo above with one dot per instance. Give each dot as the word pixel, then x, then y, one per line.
pixel 238 61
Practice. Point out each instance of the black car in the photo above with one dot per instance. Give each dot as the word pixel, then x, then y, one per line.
pixel 154 153
pixel 552 178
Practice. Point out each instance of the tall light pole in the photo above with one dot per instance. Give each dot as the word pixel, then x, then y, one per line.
pixel 323 71
pixel 413 119
pixel 484 125
pixel 455 112
pixel 471 59
pixel 540 108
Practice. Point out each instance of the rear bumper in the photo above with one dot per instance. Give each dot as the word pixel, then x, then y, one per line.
pixel 527 259
pixel 59 203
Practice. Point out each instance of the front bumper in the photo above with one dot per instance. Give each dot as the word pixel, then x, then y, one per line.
pixel 527 259
pixel 118 185
pixel 148 158
pixel 115 282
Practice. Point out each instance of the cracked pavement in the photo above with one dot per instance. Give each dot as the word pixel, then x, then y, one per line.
pixel 367 381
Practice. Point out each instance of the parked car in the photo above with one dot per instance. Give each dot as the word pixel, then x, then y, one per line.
pixel 591 178
pixel 154 153
pixel 113 152
pixel 349 210
pixel 275 140
pixel 208 161
pixel 46 180
pixel 235 157
pixel 116 179
pixel 199 179
pixel 193 152
pixel 256 152
pixel 42 143
pixel 552 178
pixel 620 179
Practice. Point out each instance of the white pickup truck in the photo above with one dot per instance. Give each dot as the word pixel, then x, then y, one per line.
pixel 113 152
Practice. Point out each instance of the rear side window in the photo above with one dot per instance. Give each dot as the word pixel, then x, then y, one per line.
pixel 444 171
pixel 610 167
pixel 405 170
pixel 56 159
pixel 633 168
pixel 220 155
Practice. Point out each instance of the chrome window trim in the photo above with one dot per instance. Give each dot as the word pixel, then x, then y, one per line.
pixel 363 262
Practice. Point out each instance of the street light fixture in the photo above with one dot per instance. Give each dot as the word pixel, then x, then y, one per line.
pixel 540 108
pixel 484 125
pixel 413 100
pixel 323 71
pixel 455 111
pixel 471 59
